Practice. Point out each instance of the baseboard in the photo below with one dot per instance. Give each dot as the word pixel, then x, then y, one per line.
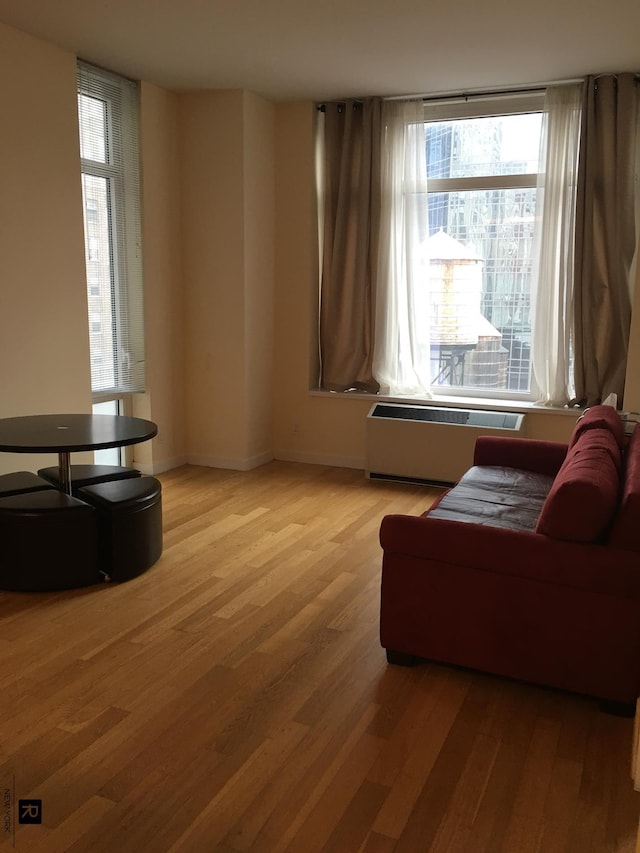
pixel 249 464
pixel 320 459
pixel 162 465
pixel 229 463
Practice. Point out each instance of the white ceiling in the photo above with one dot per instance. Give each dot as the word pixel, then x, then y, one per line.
pixel 322 49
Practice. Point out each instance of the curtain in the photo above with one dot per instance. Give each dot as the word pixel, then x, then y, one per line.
pixel 402 354
pixel 554 250
pixel 350 189
pixel 606 236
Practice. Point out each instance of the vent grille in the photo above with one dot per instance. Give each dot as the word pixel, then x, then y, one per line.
pixel 468 417
pixel 429 444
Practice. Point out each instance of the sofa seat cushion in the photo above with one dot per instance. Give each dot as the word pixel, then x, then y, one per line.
pixel 584 497
pixel 496 496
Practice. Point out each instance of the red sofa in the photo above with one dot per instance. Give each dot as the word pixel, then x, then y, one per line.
pixel 529 567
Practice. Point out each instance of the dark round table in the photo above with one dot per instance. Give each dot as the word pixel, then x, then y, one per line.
pixel 64 434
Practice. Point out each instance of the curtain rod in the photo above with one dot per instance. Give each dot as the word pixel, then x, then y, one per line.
pixel 494 93
pixel 322 106
pixel 469 93
pixel 526 89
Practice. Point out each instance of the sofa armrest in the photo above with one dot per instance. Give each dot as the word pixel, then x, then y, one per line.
pixel 528 454
pixel 497 550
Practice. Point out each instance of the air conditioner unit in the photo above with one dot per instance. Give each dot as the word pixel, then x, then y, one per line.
pixel 429 444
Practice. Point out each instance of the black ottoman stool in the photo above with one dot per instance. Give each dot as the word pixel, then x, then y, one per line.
pixel 89 475
pixel 129 525
pixel 48 541
pixel 20 483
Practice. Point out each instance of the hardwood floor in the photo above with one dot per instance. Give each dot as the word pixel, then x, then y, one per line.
pixel 235 698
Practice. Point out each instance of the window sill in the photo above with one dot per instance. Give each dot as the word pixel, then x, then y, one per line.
pixel 452 402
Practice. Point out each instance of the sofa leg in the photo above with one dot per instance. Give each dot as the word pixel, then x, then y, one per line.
pixel 400 658
pixel 617 709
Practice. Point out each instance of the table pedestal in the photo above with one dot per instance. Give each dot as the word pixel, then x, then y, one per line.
pixel 64 468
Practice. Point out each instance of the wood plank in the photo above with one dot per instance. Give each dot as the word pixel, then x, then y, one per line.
pixel 235 698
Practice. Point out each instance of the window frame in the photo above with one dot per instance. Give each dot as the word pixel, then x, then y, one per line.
pixel 120 171
pixel 485 106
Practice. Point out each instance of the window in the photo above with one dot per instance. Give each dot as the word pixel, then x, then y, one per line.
pixel 482 173
pixel 512 289
pixel 109 455
pixel 108 125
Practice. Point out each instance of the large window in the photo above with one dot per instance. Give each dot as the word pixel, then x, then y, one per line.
pixel 107 109
pixel 482 173
pixel 468 244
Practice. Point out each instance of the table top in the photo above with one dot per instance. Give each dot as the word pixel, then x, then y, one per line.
pixel 56 433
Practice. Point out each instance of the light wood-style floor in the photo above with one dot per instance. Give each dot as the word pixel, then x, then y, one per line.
pixel 236 698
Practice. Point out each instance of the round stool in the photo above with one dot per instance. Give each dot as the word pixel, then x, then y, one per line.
pixel 48 541
pixel 129 516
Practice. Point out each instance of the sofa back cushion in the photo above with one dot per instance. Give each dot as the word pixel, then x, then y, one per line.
pixel 584 496
pixel 625 532
pixel 599 417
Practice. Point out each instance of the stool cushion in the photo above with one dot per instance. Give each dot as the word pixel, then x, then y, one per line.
pixel 89 475
pixel 129 516
pixel 35 503
pixel 49 542
pixel 120 495
pixel 21 482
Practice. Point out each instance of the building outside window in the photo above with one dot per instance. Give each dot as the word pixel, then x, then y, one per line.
pixel 482 172
pixel 108 126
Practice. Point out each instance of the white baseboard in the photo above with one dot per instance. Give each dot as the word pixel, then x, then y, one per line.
pixel 230 463
pixel 161 465
pixel 321 459
pixel 249 464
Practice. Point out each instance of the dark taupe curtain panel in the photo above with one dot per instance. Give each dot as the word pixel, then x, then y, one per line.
pixel 605 236
pixel 351 181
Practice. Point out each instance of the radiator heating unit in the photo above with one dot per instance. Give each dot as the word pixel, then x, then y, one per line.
pixel 429 444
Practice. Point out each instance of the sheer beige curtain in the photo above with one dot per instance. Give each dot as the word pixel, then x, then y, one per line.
pixel 554 250
pixel 350 188
pixel 606 235
pixel 402 348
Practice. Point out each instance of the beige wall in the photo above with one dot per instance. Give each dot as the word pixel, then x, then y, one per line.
pixel 632 381
pixel 212 224
pixel 44 341
pixel 162 265
pixel 231 271
pixel 227 225
pixel 259 213
pixel 327 430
